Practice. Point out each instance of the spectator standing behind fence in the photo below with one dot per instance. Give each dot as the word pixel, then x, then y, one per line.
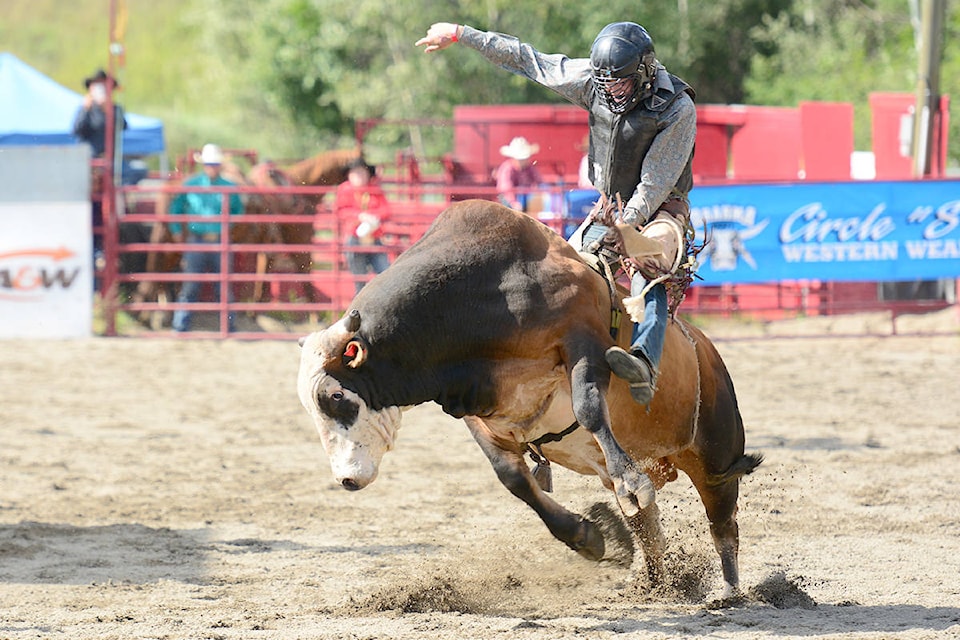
pixel 90 127
pixel 206 204
pixel 516 173
pixel 90 123
pixel 361 201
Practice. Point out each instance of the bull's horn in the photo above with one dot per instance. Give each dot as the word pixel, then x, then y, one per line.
pixel 352 321
pixel 335 336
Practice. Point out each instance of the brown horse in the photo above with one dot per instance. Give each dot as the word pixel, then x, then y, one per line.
pixel 497 319
pixel 325 169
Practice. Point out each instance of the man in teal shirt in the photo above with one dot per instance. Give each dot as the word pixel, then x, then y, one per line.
pixel 201 232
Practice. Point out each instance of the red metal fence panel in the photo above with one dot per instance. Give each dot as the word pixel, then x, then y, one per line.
pixel 267 282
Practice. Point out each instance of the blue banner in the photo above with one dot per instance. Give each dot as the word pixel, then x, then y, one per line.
pixel 828 231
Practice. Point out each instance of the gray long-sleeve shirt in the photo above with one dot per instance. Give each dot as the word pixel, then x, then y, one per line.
pixel 643 155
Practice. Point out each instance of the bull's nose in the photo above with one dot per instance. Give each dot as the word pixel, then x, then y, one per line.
pixel 350 484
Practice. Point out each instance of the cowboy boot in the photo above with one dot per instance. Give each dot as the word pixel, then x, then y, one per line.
pixel 633 368
pixel 639 366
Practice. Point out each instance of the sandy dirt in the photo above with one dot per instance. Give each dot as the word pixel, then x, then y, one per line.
pixel 153 488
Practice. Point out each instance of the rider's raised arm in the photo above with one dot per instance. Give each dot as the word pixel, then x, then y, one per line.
pixel 569 77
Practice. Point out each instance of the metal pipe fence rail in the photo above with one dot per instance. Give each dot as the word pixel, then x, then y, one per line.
pixel 260 275
pixel 279 290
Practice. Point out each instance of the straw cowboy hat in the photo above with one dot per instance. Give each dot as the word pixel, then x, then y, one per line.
pixel 519 149
pixel 210 154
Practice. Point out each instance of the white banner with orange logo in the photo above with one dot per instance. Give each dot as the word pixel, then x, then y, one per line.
pixel 46 270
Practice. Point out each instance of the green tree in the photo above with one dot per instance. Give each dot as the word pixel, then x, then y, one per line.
pixel 292 77
pixel 844 51
pixel 723 44
pixel 322 64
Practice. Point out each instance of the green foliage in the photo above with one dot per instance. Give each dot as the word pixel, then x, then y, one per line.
pixel 292 77
pixel 834 52
pixel 719 56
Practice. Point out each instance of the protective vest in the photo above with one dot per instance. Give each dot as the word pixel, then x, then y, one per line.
pixel 627 137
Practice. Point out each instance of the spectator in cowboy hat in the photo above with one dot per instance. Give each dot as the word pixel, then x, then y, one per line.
pixel 90 127
pixel 516 173
pixel 206 204
pixel 90 123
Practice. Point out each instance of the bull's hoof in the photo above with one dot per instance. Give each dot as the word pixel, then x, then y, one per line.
pixel 617 538
pixel 589 541
pixel 729 600
pixel 656 573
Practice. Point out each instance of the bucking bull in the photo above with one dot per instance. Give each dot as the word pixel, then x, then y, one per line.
pixel 501 322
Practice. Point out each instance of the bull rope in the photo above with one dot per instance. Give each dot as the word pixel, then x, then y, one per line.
pixel 681 252
pixel 693 343
pixel 677 278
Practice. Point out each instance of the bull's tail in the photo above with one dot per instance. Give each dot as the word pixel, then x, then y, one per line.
pixel 742 466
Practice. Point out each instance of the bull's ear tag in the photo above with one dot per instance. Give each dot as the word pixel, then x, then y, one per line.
pixel 355 354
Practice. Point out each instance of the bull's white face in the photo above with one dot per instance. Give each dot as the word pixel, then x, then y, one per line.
pixel 354 436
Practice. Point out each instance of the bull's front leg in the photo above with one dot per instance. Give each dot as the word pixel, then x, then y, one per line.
pixel 631 484
pixel 575 531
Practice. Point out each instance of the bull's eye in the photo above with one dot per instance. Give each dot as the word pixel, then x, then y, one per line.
pixel 338 406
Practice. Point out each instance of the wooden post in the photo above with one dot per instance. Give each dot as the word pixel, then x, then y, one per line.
pixel 927 113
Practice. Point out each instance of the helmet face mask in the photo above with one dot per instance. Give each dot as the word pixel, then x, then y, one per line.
pixel 617 94
pixel 624 64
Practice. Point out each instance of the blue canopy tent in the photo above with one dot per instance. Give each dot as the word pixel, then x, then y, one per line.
pixel 35 110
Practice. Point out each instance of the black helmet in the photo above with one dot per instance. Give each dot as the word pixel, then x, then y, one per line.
pixel 622 50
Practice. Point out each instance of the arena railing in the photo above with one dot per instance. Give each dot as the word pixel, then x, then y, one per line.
pixel 282 289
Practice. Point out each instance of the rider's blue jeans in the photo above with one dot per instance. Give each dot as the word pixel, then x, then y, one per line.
pixel 648 335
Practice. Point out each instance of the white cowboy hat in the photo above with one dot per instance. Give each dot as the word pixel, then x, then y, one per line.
pixel 519 149
pixel 210 154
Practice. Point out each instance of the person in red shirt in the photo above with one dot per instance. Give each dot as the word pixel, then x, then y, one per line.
pixel 516 173
pixel 362 202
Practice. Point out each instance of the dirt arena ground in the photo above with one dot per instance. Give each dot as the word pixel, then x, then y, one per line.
pixel 152 488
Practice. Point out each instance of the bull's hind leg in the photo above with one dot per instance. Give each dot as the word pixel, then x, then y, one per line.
pixel 719 493
pixel 648 533
pixel 721 506
pixel 576 532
